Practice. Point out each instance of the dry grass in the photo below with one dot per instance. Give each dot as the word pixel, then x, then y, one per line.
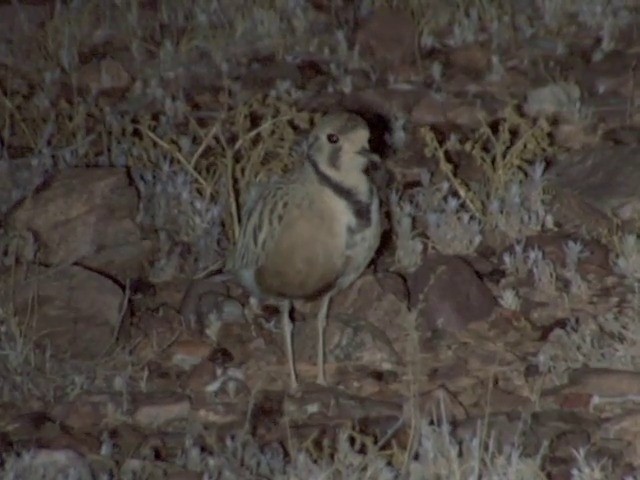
pixel 194 166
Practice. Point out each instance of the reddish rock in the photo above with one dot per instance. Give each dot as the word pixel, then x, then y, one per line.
pixel 104 76
pixel 189 352
pixel 389 37
pixel 87 411
pixel 448 293
pixel 77 310
pixel 605 177
pixel 472 58
pixel 85 215
pixel 155 410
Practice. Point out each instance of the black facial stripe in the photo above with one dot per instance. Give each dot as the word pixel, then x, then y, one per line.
pixel 360 209
pixel 311 143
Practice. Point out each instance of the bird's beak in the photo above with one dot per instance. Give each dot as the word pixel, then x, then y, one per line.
pixel 370 156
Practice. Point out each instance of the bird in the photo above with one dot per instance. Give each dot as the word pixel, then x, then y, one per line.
pixel 310 233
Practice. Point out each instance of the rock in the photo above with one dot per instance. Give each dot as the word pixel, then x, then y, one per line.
pixel 205 298
pixel 472 58
pixel 363 325
pixel 620 134
pixel 103 76
pixel 85 216
pixel 431 109
pixel 19 19
pixel 504 430
pixel 395 284
pixel 575 135
pixel 135 468
pixel 266 75
pixel 389 37
pixel 319 404
pixel 561 99
pixel 625 425
pixel 77 310
pixel 155 410
pixel 201 376
pixel 469 115
pixel 59 436
pixel 594 255
pixel 18 178
pixel 448 294
pixel 42 463
pixel 610 75
pixel 86 411
pixel 188 353
pixel 607 178
pixel 565 444
pixel 572 212
pixel 217 413
pixel 27 425
pixel 505 402
pixel 184 475
pixel 122 261
pixel 599 383
pixel 386 101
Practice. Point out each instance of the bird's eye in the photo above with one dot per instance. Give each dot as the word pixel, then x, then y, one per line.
pixel 333 138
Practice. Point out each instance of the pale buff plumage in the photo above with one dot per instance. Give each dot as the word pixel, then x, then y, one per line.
pixel 311 233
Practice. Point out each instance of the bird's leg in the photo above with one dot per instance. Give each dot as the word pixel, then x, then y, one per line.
pixel 287 330
pixel 322 323
pixel 254 304
pixel 251 312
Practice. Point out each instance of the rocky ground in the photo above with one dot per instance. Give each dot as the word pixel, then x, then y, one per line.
pixel 495 335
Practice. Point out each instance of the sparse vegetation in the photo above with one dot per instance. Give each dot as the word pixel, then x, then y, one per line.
pixel 199 100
